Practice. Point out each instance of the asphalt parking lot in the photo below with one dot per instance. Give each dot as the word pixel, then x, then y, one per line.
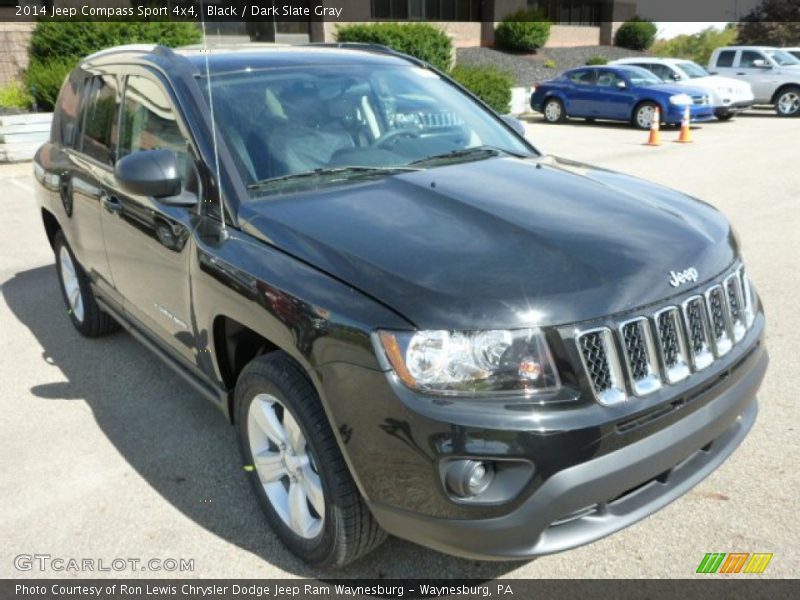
pixel 105 453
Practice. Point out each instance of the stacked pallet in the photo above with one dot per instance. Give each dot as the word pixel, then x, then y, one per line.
pixel 21 135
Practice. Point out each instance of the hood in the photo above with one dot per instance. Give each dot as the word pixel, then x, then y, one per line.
pixel 501 242
pixel 675 88
pixel 718 82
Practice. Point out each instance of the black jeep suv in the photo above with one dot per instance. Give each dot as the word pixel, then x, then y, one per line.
pixel 417 323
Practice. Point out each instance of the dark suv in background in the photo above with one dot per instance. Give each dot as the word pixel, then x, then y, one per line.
pixel 417 323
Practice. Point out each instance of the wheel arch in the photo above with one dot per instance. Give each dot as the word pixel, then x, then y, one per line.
pixel 783 88
pixel 51 226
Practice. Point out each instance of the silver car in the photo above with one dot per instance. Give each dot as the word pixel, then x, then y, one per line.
pixel 774 74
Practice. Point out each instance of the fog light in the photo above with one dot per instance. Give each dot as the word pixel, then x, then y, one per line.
pixel 467 478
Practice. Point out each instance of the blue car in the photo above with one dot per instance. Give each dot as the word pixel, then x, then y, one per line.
pixel 618 93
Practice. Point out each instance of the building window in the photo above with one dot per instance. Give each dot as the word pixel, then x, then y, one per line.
pixel 570 12
pixel 427 10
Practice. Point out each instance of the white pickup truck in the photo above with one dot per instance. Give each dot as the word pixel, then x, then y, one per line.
pixel 774 74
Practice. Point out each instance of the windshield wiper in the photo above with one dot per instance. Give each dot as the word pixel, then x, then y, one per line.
pixel 467 152
pixel 326 171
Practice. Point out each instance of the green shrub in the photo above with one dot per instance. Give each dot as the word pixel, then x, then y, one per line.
pixel 487 83
pixel 550 64
pixel 15 95
pixel 522 31
pixel 44 80
pixel 636 34
pixel 597 60
pixel 421 40
pixel 57 46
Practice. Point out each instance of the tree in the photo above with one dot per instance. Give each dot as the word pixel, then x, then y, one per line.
pixel 697 46
pixel 772 23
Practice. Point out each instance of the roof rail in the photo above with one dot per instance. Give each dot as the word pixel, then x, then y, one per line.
pixel 140 48
pixel 367 46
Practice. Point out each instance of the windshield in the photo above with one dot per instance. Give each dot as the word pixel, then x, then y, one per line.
pixel 781 58
pixel 693 70
pixel 641 77
pixel 301 125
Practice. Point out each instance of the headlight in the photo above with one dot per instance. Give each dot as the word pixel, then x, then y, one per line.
pixel 680 99
pixel 471 363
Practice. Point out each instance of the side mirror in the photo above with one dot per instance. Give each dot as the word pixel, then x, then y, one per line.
pixel 150 173
pixel 676 77
pixel 515 124
pixel 622 85
pixel 760 63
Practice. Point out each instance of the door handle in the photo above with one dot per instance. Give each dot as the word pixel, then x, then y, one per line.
pixel 741 73
pixel 112 204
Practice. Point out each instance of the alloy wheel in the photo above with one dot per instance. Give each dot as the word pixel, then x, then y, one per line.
pixel 72 286
pixel 552 111
pixel 285 466
pixel 789 103
pixel 644 116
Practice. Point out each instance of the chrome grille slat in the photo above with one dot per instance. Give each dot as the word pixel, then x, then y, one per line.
pixel 646 352
pixel 697 329
pixel 671 344
pixel 733 293
pixel 601 364
pixel 640 356
pixel 718 319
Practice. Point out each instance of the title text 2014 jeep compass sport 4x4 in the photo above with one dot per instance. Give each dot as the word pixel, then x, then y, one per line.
pixel 418 324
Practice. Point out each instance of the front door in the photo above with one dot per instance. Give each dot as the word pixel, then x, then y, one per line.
pixel 148 243
pixel 614 97
pixel 761 79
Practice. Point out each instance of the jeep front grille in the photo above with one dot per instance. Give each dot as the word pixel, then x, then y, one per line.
pixel 666 346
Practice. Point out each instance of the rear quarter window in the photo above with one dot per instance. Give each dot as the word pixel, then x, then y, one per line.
pixel 65 115
pixel 725 58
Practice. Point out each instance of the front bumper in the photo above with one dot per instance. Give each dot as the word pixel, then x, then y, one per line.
pixel 697 113
pixel 596 498
pixel 733 108
pixel 597 469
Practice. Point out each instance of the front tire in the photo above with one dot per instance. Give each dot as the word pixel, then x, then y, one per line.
pixel 787 104
pixel 553 110
pixel 298 472
pixel 725 116
pixel 643 115
pixel 84 312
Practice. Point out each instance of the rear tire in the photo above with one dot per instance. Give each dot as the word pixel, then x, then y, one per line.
pixel 787 104
pixel 84 312
pixel 553 110
pixel 299 474
pixel 643 115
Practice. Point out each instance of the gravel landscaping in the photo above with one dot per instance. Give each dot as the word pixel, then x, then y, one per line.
pixel 529 69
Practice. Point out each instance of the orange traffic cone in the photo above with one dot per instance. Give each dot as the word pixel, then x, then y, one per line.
pixel 686 133
pixel 655 129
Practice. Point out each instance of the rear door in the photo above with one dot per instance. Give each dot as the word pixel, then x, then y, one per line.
pixel 580 96
pixel 87 170
pixel 149 243
pixel 724 64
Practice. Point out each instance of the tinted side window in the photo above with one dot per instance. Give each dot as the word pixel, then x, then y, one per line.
pixel 99 118
pixel 149 123
pixel 748 57
pixel 663 72
pixel 725 58
pixel 65 116
pixel 607 79
pixel 582 77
